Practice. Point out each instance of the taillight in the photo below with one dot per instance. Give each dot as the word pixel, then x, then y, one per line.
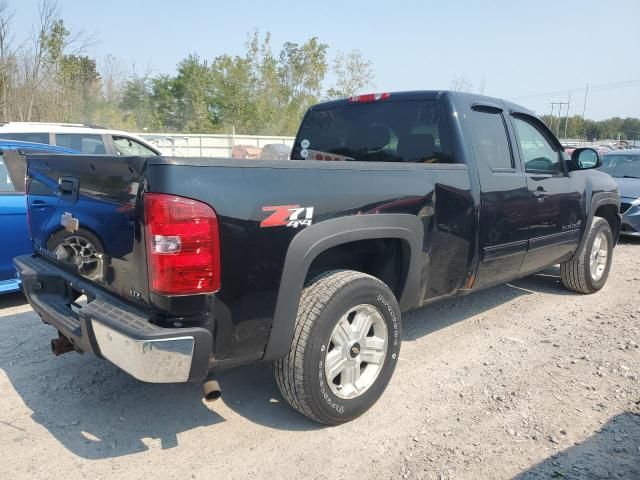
pixel 183 245
pixel 369 97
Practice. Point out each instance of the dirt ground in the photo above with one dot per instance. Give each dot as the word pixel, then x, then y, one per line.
pixel 524 380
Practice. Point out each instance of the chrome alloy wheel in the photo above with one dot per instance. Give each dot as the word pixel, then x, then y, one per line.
pixel 598 257
pixel 356 351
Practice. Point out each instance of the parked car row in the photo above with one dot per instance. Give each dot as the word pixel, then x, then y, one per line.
pixel 86 139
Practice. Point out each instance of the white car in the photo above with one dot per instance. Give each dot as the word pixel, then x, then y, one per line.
pixel 84 138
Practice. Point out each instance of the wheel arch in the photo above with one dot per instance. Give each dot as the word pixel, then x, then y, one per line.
pixel 313 241
pixel 607 206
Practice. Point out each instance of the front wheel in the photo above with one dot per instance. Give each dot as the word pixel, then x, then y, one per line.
pixel 345 347
pixel 587 272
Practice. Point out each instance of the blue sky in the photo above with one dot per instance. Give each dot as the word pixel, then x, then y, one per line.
pixel 523 50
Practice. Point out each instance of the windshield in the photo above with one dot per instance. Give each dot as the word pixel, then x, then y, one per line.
pixel 388 131
pixel 621 165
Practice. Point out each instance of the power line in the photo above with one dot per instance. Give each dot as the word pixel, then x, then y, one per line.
pixel 592 88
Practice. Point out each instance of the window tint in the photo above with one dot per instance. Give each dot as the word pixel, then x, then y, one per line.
pixel 538 154
pixel 129 147
pixel 91 144
pixel 6 185
pixel 490 140
pixel 42 137
pixel 387 131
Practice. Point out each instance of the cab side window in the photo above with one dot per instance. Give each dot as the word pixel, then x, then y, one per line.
pixel 539 155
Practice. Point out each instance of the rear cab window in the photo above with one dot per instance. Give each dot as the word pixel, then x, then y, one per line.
pixel 413 131
pixel 90 144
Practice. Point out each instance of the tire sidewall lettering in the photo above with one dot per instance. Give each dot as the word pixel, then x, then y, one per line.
pixel 386 306
pixel 324 391
pixel 345 408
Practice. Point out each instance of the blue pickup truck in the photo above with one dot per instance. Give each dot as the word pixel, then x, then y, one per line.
pixel 14 234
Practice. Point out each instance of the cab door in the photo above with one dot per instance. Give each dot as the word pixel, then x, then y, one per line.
pixel 555 202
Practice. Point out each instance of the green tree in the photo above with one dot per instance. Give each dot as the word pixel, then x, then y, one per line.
pixel 301 71
pixel 136 104
pixel 193 90
pixel 353 74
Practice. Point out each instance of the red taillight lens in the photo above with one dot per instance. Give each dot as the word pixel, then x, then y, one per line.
pixel 369 97
pixel 183 245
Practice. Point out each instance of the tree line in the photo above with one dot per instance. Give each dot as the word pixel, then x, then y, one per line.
pixel 50 77
pixel 611 128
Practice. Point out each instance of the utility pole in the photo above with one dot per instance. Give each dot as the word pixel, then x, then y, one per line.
pixel 560 105
pixel 584 109
pixel 566 117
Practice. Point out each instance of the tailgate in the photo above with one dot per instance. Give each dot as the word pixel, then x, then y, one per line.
pixel 84 214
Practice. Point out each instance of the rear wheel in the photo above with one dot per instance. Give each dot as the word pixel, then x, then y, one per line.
pixel 587 272
pixel 345 347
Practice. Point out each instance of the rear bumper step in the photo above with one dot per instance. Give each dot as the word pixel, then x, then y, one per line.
pixel 112 330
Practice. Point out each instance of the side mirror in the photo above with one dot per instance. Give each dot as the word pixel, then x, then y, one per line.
pixel 585 159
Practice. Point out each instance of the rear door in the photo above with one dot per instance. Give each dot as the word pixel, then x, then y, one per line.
pixel 556 205
pixel 504 195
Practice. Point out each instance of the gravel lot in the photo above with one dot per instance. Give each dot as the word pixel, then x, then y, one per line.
pixel 523 380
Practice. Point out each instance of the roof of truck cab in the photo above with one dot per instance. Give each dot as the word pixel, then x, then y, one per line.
pixel 433 95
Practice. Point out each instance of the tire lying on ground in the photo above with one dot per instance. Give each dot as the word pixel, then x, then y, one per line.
pixel 344 349
pixel 588 270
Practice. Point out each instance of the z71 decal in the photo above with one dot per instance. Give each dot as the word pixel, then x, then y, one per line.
pixel 287 216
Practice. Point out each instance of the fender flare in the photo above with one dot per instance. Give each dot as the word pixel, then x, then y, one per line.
pixel 314 240
pixel 599 199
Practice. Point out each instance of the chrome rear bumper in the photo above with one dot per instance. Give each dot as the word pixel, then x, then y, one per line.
pixel 166 360
pixel 112 330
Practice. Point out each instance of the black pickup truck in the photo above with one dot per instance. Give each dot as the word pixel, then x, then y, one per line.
pixel 176 268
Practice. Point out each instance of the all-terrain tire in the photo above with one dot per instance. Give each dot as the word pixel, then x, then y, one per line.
pixel 577 274
pixel 324 302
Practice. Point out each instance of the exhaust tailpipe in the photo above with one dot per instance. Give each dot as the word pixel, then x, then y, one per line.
pixel 61 345
pixel 211 390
